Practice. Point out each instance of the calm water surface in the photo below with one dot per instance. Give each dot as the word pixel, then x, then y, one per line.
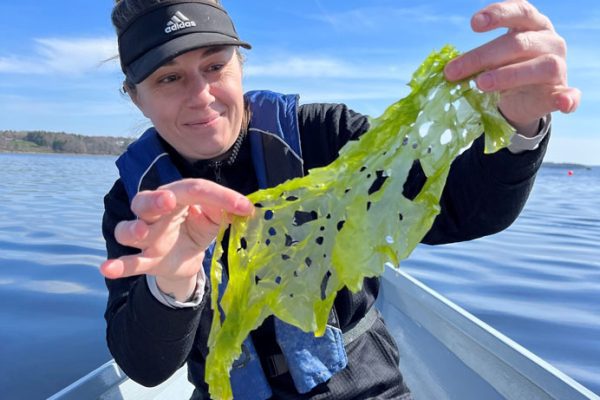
pixel 538 282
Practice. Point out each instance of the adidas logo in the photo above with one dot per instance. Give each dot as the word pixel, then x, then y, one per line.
pixel 177 22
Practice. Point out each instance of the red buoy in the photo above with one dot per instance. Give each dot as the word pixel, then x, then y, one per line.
pixel 570 172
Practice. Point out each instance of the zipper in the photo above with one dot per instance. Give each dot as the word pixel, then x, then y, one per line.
pixel 217 168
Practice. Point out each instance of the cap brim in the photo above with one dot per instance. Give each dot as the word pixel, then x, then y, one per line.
pixel 144 66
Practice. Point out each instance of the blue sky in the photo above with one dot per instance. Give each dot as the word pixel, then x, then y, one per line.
pixel 52 74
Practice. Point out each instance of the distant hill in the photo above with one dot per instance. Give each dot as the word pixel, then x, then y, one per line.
pixel 60 142
pixel 565 165
pixel 68 143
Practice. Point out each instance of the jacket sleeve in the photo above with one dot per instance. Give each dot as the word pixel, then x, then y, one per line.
pixel 483 195
pixel 147 339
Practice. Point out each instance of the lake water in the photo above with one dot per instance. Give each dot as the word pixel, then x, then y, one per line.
pixel 538 282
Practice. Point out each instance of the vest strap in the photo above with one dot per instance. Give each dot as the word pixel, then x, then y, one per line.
pixel 363 325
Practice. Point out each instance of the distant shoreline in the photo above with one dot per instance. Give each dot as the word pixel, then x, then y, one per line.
pixel 44 142
pixel 52 153
pixel 549 164
pixel 566 165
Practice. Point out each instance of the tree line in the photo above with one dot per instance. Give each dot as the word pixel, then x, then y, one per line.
pixel 61 142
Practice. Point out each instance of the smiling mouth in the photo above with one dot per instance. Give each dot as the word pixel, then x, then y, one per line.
pixel 204 121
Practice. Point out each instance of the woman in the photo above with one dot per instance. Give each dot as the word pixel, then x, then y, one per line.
pixel 207 149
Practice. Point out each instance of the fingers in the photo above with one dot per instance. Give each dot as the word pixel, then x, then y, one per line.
pixel 505 50
pixel 526 65
pixel 126 266
pixel 175 224
pixel 546 69
pixel 529 103
pixel 152 205
pixel 131 233
pixel 515 15
pixel 566 100
pixel 530 35
pixel 214 200
pixel 141 235
pixel 210 194
pixel 201 228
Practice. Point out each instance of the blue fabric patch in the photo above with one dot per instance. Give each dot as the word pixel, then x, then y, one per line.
pixel 311 360
pixel 248 380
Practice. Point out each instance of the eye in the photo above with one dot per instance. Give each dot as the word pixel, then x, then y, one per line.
pixel 168 78
pixel 215 67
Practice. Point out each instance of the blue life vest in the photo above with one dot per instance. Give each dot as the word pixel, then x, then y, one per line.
pixel 276 154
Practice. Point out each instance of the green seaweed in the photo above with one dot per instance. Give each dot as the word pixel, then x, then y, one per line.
pixel 314 235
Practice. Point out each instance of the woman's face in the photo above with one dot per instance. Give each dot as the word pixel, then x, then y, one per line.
pixel 196 101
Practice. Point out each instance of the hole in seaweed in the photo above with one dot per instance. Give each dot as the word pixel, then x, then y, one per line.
pixel 322 228
pixel 268 242
pixel 346 191
pixel 272 231
pixel 243 243
pixel 414 184
pixel 278 280
pixel 257 279
pixel 424 129
pixel 295 274
pixel 302 217
pixel 378 183
pixel 328 216
pixel 446 137
pixel 363 168
pixel 415 145
pixel 291 198
pixel 258 205
pixel 320 240
pixel 405 141
pixel 401 217
pixel 269 215
pixel 308 261
pixel 324 284
pixel 292 295
pixel 432 94
pixel 340 225
pixel 369 176
pixel 368 205
pixel 285 257
pixel 290 241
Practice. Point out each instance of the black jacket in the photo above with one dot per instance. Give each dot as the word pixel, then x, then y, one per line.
pixel 484 194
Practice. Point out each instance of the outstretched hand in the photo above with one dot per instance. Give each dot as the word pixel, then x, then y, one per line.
pixel 176 224
pixel 527 64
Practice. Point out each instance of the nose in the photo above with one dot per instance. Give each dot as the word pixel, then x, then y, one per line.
pixel 199 91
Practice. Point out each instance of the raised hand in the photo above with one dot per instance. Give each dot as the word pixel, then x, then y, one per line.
pixel 176 224
pixel 527 64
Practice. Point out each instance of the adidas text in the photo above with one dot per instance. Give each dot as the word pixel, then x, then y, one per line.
pixel 172 27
